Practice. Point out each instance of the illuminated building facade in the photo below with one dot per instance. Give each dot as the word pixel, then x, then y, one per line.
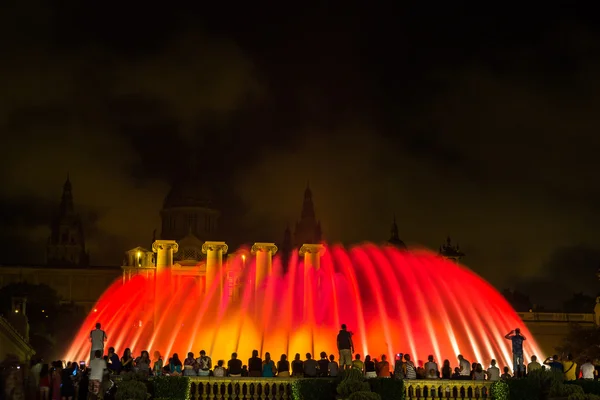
pixel 190 218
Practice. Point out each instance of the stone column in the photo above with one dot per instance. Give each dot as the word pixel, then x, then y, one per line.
pixel 214 263
pixel 164 250
pixel 264 261
pixel 312 259
pixel 312 254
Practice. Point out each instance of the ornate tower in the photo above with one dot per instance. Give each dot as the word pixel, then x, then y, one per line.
pixel 308 229
pixel 451 252
pixel 66 244
pixel 394 239
pixel 188 216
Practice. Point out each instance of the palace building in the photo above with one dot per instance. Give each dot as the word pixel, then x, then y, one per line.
pixel 67 269
pixel 189 219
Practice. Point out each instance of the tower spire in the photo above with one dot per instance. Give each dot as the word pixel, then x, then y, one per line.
pixel 66 244
pixel 66 201
pixel 308 229
pixel 308 208
pixel 394 239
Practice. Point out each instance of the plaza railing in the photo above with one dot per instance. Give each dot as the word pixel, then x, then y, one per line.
pixel 211 388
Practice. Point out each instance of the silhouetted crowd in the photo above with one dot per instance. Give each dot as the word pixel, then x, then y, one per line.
pixel 71 380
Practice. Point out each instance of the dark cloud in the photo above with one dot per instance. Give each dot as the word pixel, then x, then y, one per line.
pixel 560 268
pixel 61 114
pixel 474 127
pixel 504 166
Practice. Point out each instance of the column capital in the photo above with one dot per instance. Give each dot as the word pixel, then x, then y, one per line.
pixel 165 245
pixel 214 246
pixel 268 247
pixel 312 249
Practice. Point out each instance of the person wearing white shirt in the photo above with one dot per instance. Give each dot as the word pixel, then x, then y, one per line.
pixel 587 369
pixel 431 369
pixel 97 368
pixel 493 372
pixel 465 367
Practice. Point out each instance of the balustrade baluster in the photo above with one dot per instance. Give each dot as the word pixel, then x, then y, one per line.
pixel 211 390
pixel 252 393
pixel 196 392
pixel 208 386
pixel 286 388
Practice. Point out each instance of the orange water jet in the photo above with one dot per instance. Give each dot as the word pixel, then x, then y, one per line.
pixel 393 301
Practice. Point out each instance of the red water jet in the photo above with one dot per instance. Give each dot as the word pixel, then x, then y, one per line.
pixel 393 301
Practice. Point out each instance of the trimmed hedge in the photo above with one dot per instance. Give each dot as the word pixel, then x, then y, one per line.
pixel 131 390
pixel 523 389
pixel 500 390
pixel 364 395
pixel 325 388
pixel 314 389
pixel 387 388
pixel 172 387
pixel 588 386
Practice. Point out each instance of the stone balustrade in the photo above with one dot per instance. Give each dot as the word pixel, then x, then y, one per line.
pixel 444 389
pixel 281 389
pixel 241 388
pixel 556 317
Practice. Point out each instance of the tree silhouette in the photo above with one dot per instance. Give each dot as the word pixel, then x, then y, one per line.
pixel 580 303
pixel 582 342
pixel 518 300
pixel 51 323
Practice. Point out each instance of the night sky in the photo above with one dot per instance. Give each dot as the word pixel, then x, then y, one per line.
pixel 481 124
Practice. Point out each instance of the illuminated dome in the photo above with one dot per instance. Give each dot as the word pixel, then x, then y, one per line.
pixel 188 194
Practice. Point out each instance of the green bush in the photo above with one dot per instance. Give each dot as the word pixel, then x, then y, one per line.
pixel 500 390
pixel 352 381
pixel 349 386
pixel 314 389
pixel 388 389
pixel 172 387
pixel 523 389
pixel 584 396
pixel 131 389
pixel 588 386
pixel 352 373
pixel 563 390
pixel 364 395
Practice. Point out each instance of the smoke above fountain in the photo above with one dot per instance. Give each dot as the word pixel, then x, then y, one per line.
pixel 393 301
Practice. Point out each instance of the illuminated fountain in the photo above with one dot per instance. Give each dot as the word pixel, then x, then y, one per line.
pixel 393 301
